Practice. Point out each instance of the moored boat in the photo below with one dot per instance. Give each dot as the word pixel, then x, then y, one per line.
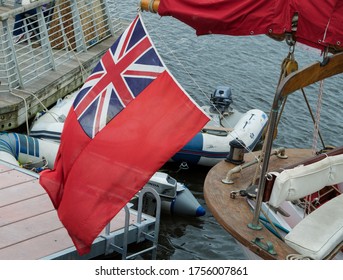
pixel 48 124
pixel 206 148
pixel 29 152
pixel 283 203
pixel 176 198
pixel 38 154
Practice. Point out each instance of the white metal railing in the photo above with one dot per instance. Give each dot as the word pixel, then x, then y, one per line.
pixel 42 35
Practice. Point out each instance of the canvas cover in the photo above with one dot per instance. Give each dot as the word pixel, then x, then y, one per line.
pixel 318 25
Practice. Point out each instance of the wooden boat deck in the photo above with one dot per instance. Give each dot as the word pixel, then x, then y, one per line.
pixel 234 215
pixel 29 225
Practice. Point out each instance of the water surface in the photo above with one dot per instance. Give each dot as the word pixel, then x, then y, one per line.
pixel 251 66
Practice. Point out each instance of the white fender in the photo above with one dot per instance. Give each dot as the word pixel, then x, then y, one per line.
pixel 250 127
pixel 215 148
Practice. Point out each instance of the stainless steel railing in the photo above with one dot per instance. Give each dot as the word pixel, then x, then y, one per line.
pixel 44 34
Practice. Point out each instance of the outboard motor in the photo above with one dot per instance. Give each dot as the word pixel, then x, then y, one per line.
pixel 221 99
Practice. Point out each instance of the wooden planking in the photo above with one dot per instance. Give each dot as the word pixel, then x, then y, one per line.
pixel 11 177
pixel 234 215
pixel 38 247
pixel 51 86
pixel 29 225
pixel 50 243
pixel 24 209
pixel 67 77
pixel 4 168
pixel 29 228
pixel 20 191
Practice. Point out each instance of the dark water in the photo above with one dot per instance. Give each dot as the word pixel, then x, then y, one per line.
pixel 195 238
pixel 251 66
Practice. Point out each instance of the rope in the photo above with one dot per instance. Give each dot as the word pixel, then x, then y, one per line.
pixel 83 71
pixel 170 51
pixel 310 204
pixel 317 119
pixel 318 110
pixel 26 108
pixel 312 116
pixel 297 257
pixel 272 225
pixel 183 166
pixel 184 68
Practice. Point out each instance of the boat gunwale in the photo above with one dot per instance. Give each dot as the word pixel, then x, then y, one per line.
pixel 233 215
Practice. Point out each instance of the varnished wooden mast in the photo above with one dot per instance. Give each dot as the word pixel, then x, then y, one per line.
pixel 150 5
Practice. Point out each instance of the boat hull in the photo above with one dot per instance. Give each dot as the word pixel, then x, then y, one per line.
pixel 18 149
pixel 206 148
pixel 38 154
pixel 184 204
pixel 209 147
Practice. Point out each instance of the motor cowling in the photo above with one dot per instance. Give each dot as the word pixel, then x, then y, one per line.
pixel 221 99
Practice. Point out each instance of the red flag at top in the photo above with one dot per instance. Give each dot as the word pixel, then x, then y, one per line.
pixel 128 119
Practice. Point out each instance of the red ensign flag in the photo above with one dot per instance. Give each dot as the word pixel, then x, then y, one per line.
pixel 128 119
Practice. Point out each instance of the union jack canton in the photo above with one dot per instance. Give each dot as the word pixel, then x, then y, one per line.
pixel 124 71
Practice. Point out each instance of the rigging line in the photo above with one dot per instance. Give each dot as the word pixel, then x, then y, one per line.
pixel 288 66
pixel 317 120
pixel 273 225
pixel 319 106
pixel 337 189
pixel 312 116
pixel 172 52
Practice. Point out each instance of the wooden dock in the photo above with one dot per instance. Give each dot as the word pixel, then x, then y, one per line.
pixel 30 228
